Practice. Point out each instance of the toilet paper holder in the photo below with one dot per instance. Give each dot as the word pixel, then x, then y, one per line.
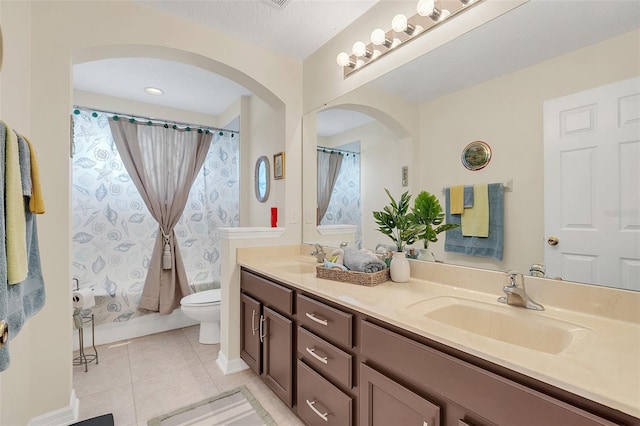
pixel 85 358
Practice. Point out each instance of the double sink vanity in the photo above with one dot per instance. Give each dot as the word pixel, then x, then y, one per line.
pixel 438 349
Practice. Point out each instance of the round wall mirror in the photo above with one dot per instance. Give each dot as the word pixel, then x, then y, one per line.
pixel 261 181
pixel 476 155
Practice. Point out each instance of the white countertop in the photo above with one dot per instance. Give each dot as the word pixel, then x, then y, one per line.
pixel 603 365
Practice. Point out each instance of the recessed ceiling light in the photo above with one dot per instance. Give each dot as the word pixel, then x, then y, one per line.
pixel 154 91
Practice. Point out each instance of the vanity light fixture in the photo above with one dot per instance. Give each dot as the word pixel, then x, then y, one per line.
pixel 154 91
pixel 403 30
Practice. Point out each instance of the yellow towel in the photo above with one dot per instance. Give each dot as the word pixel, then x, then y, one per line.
pixel 15 221
pixel 456 203
pixel 36 203
pixel 475 221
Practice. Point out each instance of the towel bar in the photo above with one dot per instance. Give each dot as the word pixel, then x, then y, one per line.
pixel 506 185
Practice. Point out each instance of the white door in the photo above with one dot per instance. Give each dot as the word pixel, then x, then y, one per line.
pixel 592 185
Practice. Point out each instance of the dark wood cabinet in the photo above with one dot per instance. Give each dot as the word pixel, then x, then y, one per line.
pixel 336 366
pixel 278 354
pixel 250 344
pixel 266 336
pixel 385 402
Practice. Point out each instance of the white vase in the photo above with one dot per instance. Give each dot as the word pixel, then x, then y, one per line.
pixel 400 269
pixel 425 254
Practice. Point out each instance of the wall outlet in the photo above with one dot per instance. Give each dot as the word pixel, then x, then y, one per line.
pixel 293 217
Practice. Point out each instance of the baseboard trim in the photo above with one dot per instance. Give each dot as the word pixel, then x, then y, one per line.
pixel 230 366
pixel 61 417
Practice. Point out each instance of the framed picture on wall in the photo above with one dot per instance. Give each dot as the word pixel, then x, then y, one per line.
pixel 278 165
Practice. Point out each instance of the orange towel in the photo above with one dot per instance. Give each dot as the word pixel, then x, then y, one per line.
pixel 36 203
pixel 457 199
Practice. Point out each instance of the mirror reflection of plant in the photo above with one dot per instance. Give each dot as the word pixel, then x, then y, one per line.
pixel 394 222
pixel 427 212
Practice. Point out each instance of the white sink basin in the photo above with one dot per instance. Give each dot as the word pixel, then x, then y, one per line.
pixel 508 324
pixel 296 267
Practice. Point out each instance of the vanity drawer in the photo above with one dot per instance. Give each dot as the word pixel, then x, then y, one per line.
pixel 269 293
pixel 330 323
pixel 319 402
pixel 326 358
pixel 479 391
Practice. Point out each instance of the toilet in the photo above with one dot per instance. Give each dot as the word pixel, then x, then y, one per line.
pixel 204 307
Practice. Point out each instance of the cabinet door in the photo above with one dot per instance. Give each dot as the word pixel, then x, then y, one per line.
pixel 385 402
pixel 278 354
pixel 250 346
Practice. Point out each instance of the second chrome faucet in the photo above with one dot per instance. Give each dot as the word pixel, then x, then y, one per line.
pixel 516 294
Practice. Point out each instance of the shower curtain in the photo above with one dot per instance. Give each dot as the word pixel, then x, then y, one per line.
pixel 114 233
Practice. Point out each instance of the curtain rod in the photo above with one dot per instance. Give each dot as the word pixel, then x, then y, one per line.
pixel 324 148
pixel 155 120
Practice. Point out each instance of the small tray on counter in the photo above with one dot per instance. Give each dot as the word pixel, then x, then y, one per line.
pixel 353 277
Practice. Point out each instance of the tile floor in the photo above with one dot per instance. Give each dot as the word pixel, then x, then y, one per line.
pixel 142 378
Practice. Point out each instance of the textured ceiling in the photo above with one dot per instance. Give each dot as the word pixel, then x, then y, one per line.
pixel 536 31
pixel 297 29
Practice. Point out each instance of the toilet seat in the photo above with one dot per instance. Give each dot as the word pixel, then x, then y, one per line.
pixel 202 298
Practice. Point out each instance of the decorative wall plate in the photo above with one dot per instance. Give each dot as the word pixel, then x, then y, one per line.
pixel 476 155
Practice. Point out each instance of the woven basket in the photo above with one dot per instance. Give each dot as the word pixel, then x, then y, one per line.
pixel 353 277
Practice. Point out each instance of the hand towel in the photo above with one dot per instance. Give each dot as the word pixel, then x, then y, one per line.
pixel 358 261
pixel 22 300
pixel 25 166
pixel 14 214
pixel 475 221
pixel 493 245
pixel 337 256
pixel 457 199
pixel 36 203
pixel 468 196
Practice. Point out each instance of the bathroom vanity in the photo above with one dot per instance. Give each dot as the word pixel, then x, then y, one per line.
pixel 341 354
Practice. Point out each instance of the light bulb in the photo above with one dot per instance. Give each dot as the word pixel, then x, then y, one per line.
pixel 359 49
pixel 378 37
pixel 425 7
pixel 399 23
pixel 343 59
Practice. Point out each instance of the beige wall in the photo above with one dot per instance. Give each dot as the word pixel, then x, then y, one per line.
pixel 507 114
pixel 42 42
pixel 324 80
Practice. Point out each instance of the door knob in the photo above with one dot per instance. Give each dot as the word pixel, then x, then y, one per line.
pixel 552 241
pixel 4 333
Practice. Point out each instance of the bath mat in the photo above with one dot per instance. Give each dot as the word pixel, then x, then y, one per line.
pixel 237 407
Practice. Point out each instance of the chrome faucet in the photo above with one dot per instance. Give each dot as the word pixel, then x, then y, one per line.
pixel 319 253
pixel 516 294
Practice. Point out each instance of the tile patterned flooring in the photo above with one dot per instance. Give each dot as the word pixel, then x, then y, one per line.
pixel 142 378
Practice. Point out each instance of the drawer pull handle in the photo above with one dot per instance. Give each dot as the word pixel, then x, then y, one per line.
pixel 253 322
pixel 316 319
pixel 322 359
pixel 263 332
pixel 315 410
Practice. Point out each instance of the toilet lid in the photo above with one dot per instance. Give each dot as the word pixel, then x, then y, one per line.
pixel 202 297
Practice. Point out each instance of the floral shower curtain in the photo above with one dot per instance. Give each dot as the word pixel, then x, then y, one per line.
pixel 328 169
pixel 114 233
pixel 163 163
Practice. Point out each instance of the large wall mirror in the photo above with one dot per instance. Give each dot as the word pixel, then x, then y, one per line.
pixel 490 84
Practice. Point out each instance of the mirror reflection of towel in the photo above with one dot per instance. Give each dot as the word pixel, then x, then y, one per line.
pixel 475 221
pixel 493 245
pixel 457 199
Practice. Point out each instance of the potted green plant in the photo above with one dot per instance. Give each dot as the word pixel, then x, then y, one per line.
pixel 393 221
pixel 427 213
